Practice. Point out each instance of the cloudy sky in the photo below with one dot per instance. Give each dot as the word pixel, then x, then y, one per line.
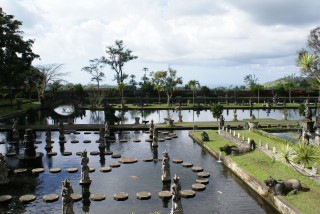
pixel 216 42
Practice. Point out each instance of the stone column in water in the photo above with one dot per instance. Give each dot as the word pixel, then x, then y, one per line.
pixel 165 167
pixel 176 196
pixel 85 178
pixel 67 201
pixel 3 171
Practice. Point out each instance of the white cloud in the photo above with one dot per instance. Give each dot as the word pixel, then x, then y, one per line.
pixel 236 37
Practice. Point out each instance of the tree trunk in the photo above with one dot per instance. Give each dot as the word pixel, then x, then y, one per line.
pixel 168 100
pixel 193 98
pixel 159 97
pixel 10 91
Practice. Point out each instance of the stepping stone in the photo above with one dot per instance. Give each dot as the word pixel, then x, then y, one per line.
pixel 161 140
pixel 188 193
pixel 38 142
pixel 87 133
pixel 197 169
pixel 136 140
pixel 123 141
pixel 79 153
pixel 50 197
pixel 27 198
pixel 2 142
pixel 202 181
pixel 165 133
pixel 76 197
pixel 203 174
pixel 111 141
pixel 128 160
pixel 76 132
pixel 187 164
pixel 52 154
pixel 105 169
pixel 165 194
pixel 72 170
pixel 198 187
pixel 62 141
pixel 67 153
pixel 38 170
pixel 108 152
pixel 147 159
pixel 143 195
pixel 116 156
pixel 113 165
pixel 55 170
pixel 120 196
pixel 98 197
pixel 177 161
pixel 174 136
pixel 167 138
pixel 94 153
pixel 87 141
pixel 20 171
pixel 91 169
pixel 10 154
pixel 5 199
pixel 148 140
pixel 74 141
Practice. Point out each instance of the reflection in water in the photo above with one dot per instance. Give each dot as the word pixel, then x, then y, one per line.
pixel 166 187
pixel 86 198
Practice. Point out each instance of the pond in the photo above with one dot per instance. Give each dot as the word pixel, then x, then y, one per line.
pixel 291 136
pixel 68 115
pixel 225 193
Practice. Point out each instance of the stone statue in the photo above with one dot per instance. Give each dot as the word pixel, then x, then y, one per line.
pixel 151 127
pixel 307 113
pixel 283 186
pixel 235 115
pixel 48 135
pixel 205 136
pixel 101 134
pixel 221 121
pixel 85 178
pixel 176 196
pixel 165 167
pixel 15 132
pixel 155 138
pixel 67 201
pixel 30 149
pixel 106 130
pixel 3 170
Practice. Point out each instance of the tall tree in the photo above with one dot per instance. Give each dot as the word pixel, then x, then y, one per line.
pixel 117 56
pixel 251 80
pixel 308 59
pixel 49 73
pixel 95 69
pixel 193 84
pixel 168 80
pixel 16 54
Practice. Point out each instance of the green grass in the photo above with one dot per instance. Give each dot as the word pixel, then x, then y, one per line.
pixel 262 166
pixel 7 110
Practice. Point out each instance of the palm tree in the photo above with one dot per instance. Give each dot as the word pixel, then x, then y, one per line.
pixel 193 84
pixel 308 64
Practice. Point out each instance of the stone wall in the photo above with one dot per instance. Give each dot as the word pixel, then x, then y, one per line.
pixel 277 202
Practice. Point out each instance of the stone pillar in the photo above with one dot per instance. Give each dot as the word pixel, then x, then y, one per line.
pixel 260 143
pixel 85 178
pixel 239 135
pixel 274 149
pixel 267 146
pixel 234 133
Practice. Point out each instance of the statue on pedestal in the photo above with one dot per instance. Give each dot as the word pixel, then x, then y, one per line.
pixel 165 167
pixel 221 124
pixel 85 178
pixel 15 132
pixel 155 138
pixel 67 201
pixel 176 196
pixel 3 170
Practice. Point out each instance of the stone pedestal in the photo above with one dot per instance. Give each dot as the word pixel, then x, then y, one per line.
pixel 137 120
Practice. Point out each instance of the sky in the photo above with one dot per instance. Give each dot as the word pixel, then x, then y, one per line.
pixel 216 42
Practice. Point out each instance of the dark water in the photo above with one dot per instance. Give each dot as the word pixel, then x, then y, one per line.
pixel 64 113
pixel 291 136
pixel 225 193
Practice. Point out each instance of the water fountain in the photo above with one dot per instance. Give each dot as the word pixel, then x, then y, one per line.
pixel 219 159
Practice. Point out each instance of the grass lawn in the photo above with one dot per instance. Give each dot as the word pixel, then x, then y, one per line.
pixel 11 109
pixel 262 166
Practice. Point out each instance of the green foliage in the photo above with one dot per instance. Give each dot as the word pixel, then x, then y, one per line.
pixel 304 153
pixel 217 110
pixel 19 104
pixel 78 90
pixel 109 113
pixel 95 69
pixel 286 153
pixel 302 107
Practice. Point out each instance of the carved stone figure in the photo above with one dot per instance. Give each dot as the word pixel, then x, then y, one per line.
pixel 48 135
pixel 85 178
pixel 3 170
pixel 176 196
pixel 283 186
pixel 155 138
pixel 106 130
pixel 15 132
pixel 234 150
pixel 221 121
pixel 67 201
pixel 235 115
pixel 205 136
pixel 165 167
pixel 307 113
